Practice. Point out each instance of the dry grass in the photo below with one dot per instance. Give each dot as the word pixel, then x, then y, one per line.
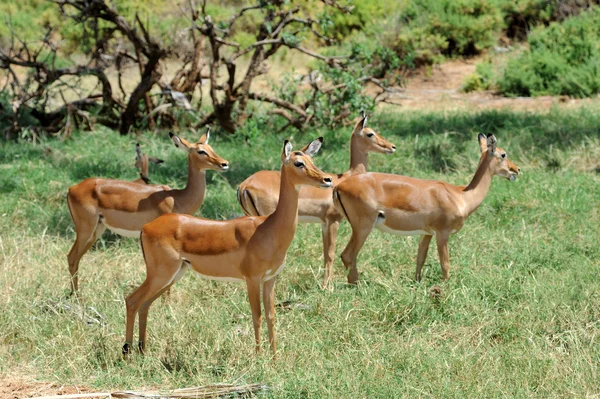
pixel 518 318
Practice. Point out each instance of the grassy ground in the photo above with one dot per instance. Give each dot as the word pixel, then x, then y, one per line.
pixel 519 317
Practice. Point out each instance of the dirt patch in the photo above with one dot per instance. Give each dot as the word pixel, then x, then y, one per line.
pixel 17 387
pixel 439 88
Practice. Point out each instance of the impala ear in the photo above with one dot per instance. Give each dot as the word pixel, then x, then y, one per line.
pixel 491 143
pixel 180 143
pixel 313 147
pixel 361 124
pixel 205 137
pixel 155 160
pixel 287 150
pixel 482 142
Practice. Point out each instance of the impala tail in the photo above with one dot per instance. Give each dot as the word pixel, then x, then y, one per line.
pixel 247 202
pixel 337 200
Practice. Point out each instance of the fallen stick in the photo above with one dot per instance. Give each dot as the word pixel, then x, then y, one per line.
pixel 207 391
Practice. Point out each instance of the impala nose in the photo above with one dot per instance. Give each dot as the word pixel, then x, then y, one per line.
pixel 393 147
pixel 225 165
pixel 327 180
pixel 518 170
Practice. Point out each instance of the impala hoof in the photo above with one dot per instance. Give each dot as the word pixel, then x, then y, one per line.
pixel 126 349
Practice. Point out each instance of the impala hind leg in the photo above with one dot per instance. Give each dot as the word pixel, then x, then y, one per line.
pixel 329 231
pixel 253 286
pixel 88 228
pixel 359 236
pixel 269 304
pixel 422 255
pixel 442 244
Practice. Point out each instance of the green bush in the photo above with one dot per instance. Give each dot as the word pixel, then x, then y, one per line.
pixel 521 15
pixel 563 59
pixel 482 79
pixel 434 28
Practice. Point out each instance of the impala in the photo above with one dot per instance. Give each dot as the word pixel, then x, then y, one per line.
pixel 124 207
pixel 141 162
pixel 406 206
pixel 259 193
pixel 251 249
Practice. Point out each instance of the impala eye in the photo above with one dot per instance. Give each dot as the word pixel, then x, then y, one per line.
pixel 503 155
pixel 202 152
pixel 370 134
pixel 299 164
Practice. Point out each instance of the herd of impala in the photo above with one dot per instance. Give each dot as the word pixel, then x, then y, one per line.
pixel 252 249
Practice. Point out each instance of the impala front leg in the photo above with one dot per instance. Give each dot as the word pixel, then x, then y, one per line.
pixel 269 304
pixel 329 231
pixel 143 318
pixel 253 285
pixel 442 244
pixel 422 255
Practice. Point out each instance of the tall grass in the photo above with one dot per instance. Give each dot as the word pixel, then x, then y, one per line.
pixel 519 316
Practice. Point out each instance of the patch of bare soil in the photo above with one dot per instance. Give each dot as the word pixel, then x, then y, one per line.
pixel 439 88
pixel 16 387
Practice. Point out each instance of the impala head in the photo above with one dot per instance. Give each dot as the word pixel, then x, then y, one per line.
pixel 499 164
pixel 301 167
pixel 369 139
pixel 141 159
pixel 202 156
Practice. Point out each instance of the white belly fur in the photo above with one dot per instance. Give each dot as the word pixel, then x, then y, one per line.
pixel 309 219
pixel 386 229
pixel 122 232
pixel 229 279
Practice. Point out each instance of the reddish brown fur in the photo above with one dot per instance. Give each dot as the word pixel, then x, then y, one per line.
pixel 250 249
pixel 258 194
pixel 412 206
pixel 142 162
pixel 99 203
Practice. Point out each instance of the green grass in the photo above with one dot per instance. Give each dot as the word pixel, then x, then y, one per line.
pixel 520 316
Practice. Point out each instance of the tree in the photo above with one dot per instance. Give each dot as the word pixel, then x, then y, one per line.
pixel 327 95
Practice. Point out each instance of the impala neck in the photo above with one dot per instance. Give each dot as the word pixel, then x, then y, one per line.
pixel 477 189
pixel 284 220
pixel 358 157
pixel 144 169
pixel 191 197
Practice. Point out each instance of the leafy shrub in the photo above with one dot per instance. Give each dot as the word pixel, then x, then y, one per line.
pixel 563 59
pixel 521 15
pixel 365 13
pixel 481 79
pixel 25 117
pixel 435 28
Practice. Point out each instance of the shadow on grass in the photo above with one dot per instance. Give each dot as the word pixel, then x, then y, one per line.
pixel 564 128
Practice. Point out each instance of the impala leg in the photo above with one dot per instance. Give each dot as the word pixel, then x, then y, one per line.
pixel 143 310
pixel 141 299
pixel 359 236
pixel 254 298
pixel 88 229
pixel 143 318
pixel 133 303
pixel 269 304
pixel 329 231
pixel 422 255
pixel 442 244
